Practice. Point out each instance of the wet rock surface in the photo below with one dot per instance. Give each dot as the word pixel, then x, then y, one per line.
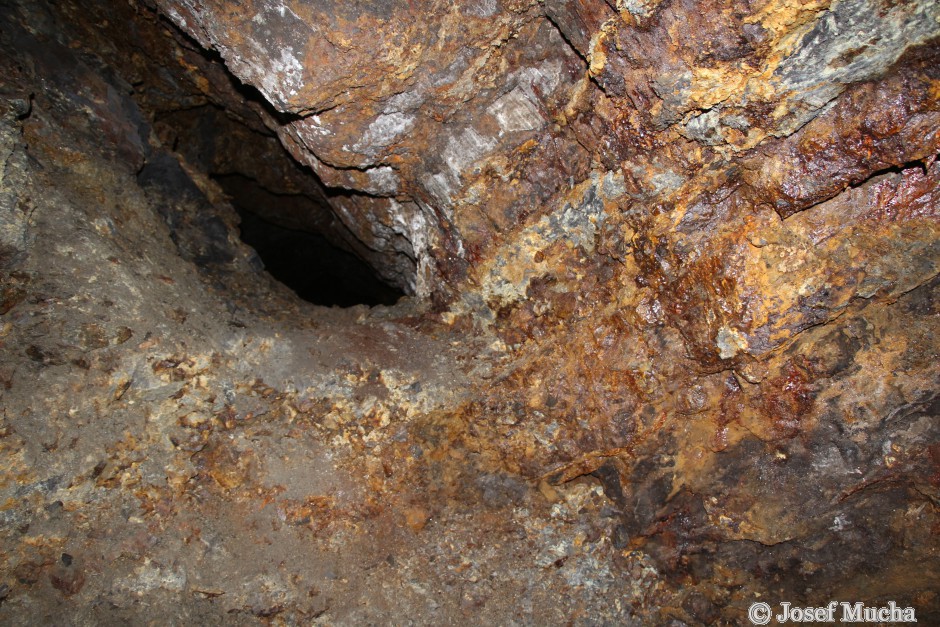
pixel 669 346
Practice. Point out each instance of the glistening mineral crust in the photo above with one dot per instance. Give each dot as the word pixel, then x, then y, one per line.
pixel 668 345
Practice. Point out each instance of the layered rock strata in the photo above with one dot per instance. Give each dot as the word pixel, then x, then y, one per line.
pixel 670 341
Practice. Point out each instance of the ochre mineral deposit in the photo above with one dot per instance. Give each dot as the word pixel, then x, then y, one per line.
pixel 654 327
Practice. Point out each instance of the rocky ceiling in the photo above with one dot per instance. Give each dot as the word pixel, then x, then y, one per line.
pixel 668 345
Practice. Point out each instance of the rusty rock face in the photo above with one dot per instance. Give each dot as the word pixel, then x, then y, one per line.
pixel 669 346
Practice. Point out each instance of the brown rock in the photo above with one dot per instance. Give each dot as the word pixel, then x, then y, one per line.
pixel 669 343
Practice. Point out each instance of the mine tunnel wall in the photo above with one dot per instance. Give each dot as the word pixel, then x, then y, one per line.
pixel 668 344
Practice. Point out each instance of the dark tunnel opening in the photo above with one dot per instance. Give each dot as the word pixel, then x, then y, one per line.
pixel 309 264
pixel 284 215
pixel 284 211
pixel 291 232
pixel 284 208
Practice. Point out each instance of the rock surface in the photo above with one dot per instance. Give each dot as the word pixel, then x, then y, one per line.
pixel 670 345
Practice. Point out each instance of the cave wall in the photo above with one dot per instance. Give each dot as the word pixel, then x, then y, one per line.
pixel 477 118
pixel 671 346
